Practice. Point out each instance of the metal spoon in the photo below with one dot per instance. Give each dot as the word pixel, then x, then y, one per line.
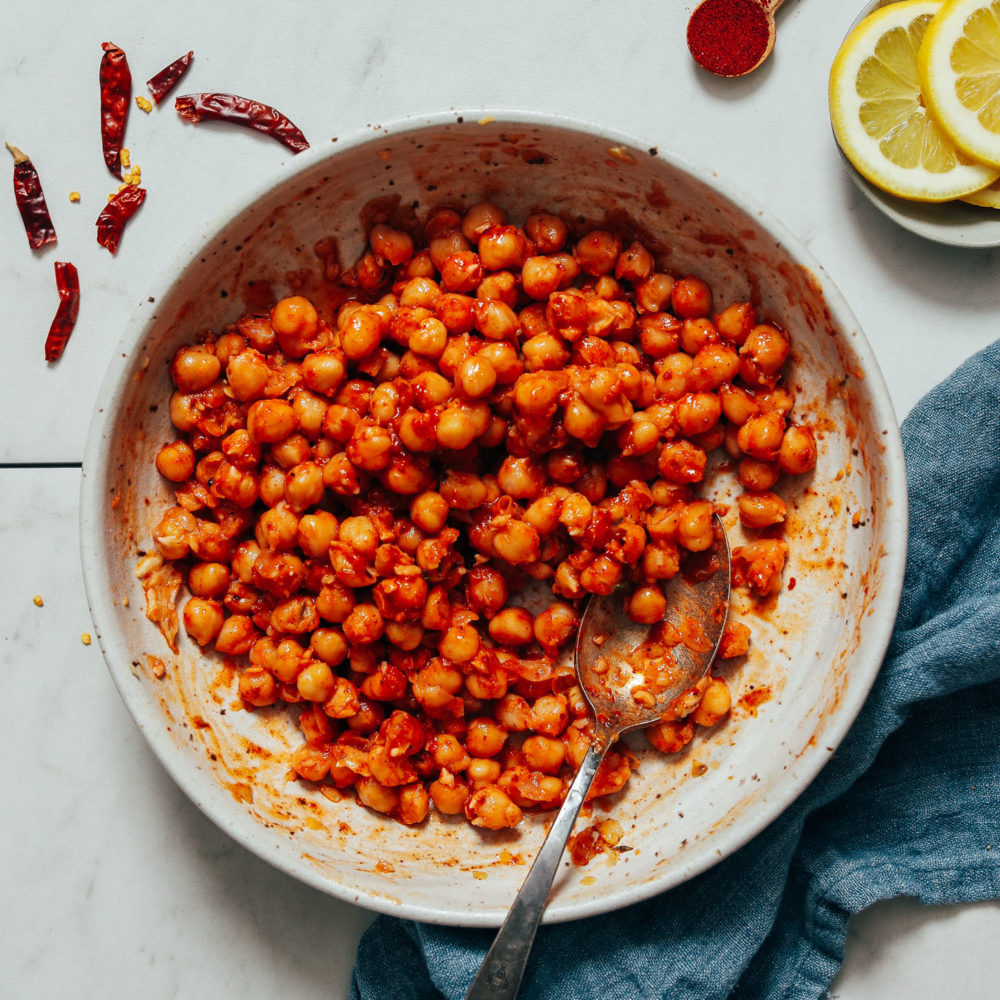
pixel 610 652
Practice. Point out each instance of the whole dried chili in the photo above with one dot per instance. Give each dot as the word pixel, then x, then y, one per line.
pixel 116 96
pixel 728 37
pixel 168 78
pixel 242 111
pixel 121 208
pixel 68 284
pixel 31 201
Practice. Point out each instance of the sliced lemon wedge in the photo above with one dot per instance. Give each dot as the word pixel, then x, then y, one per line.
pixel 879 116
pixel 959 67
pixel 988 197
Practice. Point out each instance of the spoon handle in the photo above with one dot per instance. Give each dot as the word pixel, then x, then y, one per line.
pixel 500 974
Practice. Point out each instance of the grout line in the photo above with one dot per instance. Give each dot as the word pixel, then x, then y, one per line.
pixel 41 465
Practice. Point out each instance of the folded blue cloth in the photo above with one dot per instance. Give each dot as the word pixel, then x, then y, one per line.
pixel 908 805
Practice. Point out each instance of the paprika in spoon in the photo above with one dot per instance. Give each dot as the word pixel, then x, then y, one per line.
pixel 732 37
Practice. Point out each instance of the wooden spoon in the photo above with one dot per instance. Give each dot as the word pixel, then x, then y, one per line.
pixel 732 37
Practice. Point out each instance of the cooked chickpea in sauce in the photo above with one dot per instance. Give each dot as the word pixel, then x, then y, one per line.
pixel 365 497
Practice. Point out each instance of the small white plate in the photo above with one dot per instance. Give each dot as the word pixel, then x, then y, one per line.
pixel 955 223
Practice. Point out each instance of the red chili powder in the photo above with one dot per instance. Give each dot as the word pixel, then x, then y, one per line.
pixel 728 37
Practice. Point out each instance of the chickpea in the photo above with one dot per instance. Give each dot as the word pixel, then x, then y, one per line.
pixel 480 217
pixel 543 753
pixel 502 247
pixel 715 704
pixel 694 529
pixel 429 512
pixel 597 252
pixel 513 626
pixel 236 636
pixel 270 420
pixel 414 804
pixel 391 245
pixel 763 353
pixel 377 796
pixel 513 713
pixel 208 579
pixel 175 461
pixel 295 322
pixel 756 475
pixel 195 368
pixel 429 339
pixel 492 808
pixel 761 436
pixel 653 294
pixel 459 644
pixel 547 232
pixel 518 543
pixel 329 645
pixel 360 333
pixel 521 478
pixel 202 619
pixel 647 605
pixel 257 687
pixel 670 736
pixel 316 682
pixel 295 615
pixel 698 412
pixel 363 625
pixel 550 714
pixel 495 320
pixel 540 277
pixel 691 298
pixel 448 794
pixel 476 377
pixel 322 371
pixel 485 738
pixel 635 264
pixel 555 625
pixel 455 430
pixel 736 321
pixel 797 452
pixel 761 510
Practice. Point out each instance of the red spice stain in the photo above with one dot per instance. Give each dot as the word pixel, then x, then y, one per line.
pixel 754 698
pixel 239 790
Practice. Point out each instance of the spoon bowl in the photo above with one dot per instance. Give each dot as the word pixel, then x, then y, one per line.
pixel 631 672
pixel 632 675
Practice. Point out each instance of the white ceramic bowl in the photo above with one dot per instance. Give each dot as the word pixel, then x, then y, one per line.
pixel 815 652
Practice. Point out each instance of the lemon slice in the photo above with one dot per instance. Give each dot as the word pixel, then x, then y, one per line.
pixel 988 197
pixel 878 113
pixel 959 66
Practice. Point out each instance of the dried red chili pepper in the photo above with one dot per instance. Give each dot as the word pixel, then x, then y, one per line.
pixel 242 111
pixel 31 201
pixel 121 208
pixel 168 78
pixel 68 283
pixel 116 96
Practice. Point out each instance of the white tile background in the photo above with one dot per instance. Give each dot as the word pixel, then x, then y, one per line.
pixel 112 884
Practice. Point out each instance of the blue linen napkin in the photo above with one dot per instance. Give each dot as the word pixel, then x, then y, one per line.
pixel 909 804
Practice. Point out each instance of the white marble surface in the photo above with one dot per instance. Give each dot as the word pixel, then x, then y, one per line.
pixel 113 885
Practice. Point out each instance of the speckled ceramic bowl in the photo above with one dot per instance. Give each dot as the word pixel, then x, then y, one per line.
pixel 816 649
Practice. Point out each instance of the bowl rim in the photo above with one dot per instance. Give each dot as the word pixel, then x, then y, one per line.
pixel 94 486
